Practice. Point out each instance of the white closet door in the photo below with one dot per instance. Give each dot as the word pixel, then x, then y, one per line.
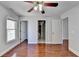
pixel 48 31
pixel 53 31
pixel 56 32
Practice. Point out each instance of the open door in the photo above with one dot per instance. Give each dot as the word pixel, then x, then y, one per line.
pixel 41 31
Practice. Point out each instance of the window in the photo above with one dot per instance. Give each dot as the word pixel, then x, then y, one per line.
pixel 11 28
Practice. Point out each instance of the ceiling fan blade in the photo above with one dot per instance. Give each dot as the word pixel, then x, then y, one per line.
pixel 29 1
pixel 51 4
pixel 30 9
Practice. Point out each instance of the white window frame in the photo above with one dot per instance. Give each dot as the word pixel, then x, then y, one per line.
pixel 10 29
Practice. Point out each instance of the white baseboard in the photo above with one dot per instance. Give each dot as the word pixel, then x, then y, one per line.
pixel 75 52
pixel 1 54
pixel 48 42
pixel 54 43
pixel 32 43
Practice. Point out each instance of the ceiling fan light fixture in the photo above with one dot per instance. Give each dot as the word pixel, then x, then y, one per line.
pixel 35 8
pixel 40 7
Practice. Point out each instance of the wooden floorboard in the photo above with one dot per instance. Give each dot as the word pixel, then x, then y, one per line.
pixel 40 50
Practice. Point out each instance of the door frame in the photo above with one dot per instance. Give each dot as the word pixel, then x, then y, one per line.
pixel 45 29
pixel 66 18
pixel 20 29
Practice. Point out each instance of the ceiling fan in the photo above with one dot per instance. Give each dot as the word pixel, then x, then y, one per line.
pixel 38 5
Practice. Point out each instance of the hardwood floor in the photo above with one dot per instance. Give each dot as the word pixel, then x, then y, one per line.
pixel 40 50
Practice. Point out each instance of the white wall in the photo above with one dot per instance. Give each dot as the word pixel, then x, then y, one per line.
pixel 33 29
pixel 65 29
pixel 73 22
pixel 4 46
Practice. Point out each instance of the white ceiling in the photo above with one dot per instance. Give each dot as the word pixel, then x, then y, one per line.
pixel 21 8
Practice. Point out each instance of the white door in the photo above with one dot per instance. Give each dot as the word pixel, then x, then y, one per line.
pixel 48 31
pixel 65 29
pixel 24 30
pixel 53 31
pixel 56 32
